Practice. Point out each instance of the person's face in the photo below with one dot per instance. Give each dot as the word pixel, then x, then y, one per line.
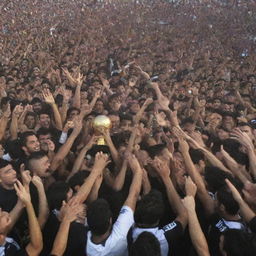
pixel 37 107
pixel 189 127
pixel 120 89
pixel 44 120
pixel 115 121
pixel 228 122
pixel 126 125
pixel 216 104
pixel 115 104
pixel 43 139
pixel 135 108
pixel 32 144
pixel 73 114
pixel 42 167
pixel 8 176
pixel 36 71
pixel 5 221
pixel 248 130
pixel 99 107
pixel 30 122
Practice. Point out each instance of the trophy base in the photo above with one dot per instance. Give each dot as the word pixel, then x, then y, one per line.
pixel 101 141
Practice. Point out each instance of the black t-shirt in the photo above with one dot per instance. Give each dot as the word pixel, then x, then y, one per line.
pixel 76 237
pixel 8 199
pixel 219 226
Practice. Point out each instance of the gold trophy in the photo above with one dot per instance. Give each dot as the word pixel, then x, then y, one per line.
pixel 100 123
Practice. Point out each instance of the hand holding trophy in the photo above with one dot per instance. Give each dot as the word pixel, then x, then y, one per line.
pixel 101 123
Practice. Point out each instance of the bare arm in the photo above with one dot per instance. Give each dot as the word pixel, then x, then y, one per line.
pixel 36 241
pixel 136 182
pixel 43 205
pixel 174 199
pixel 64 150
pixel 196 234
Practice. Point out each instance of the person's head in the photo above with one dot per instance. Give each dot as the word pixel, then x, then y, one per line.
pixel 30 120
pixel 36 104
pixel 39 164
pixel 216 103
pixel 149 209
pixel 44 135
pixel 222 133
pixel 44 119
pixel 8 175
pixel 146 244
pixel 227 206
pixel 57 193
pixel 72 113
pixel 115 121
pixel 29 142
pixel 235 242
pixel 99 106
pixel 126 122
pixel 99 217
pixel 188 125
pixel 114 103
pixel 246 128
pixel 228 121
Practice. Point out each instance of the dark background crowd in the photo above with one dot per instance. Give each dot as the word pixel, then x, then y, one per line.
pixel 174 174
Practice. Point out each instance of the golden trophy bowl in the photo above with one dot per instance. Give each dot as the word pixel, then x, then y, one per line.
pixel 99 124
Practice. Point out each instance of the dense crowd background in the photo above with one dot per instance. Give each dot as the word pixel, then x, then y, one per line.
pixel 177 175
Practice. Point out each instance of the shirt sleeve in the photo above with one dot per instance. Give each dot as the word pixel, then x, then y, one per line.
pixel 124 221
pixel 173 230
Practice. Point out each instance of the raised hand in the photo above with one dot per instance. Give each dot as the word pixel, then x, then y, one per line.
pixel 22 193
pixel 78 124
pixel 25 176
pixel 190 187
pixel 161 167
pixel 101 161
pixel 48 97
pixel 37 181
pixel 189 203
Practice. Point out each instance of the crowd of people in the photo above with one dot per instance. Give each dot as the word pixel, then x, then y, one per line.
pixel 174 174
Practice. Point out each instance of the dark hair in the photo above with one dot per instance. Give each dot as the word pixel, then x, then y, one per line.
pixel 239 243
pixel 98 216
pixel 24 136
pixel 78 179
pixel 72 109
pixel 56 194
pixel 215 178
pixel 149 209
pixel 146 244
pixel 196 155
pixel 225 198
pixel 3 163
pixel 34 156
pixel 43 131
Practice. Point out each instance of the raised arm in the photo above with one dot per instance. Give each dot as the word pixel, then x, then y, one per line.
pixel 135 187
pixel 64 149
pixel 196 177
pixel 101 161
pixel 36 242
pixel 69 215
pixel 246 212
pixel 50 100
pixel 174 200
pixel 43 204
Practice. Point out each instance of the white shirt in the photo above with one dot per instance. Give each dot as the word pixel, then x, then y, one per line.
pixel 116 244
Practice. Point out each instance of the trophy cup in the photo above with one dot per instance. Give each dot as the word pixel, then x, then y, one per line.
pixel 100 123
